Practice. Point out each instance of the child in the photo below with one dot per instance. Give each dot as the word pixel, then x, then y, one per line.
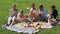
pixel 21 16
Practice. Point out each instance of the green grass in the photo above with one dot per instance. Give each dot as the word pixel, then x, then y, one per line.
pixel 5 5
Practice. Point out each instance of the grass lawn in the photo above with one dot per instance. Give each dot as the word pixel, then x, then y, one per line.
pixel 5 5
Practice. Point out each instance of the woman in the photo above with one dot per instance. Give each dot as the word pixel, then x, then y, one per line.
pixel 12 15
pixel 33 12
pixel 14 10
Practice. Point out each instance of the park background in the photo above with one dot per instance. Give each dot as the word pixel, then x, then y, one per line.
pixel 5 5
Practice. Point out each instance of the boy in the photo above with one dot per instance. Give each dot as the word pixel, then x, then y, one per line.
pixel 54 12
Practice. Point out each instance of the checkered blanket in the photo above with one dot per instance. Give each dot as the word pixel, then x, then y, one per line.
pixel 23 29
pixel 20 27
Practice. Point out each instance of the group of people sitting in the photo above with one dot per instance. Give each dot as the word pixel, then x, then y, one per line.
pixel 33 16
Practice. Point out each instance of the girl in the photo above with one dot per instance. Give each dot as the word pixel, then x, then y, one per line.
pixel 14 10
pixel 21 16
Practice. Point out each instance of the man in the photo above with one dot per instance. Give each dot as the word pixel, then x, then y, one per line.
pixel 42 13
pixel 54 12
pixel 52 16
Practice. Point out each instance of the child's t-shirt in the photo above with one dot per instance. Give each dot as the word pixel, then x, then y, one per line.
pixel 19 16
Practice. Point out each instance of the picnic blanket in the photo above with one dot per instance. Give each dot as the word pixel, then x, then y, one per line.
pixel 43 24
pixel 20 27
